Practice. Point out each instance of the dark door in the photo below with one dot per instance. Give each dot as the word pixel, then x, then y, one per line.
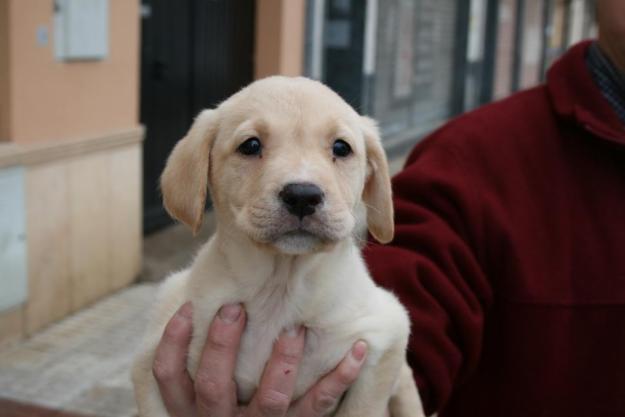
pixel 344 53
pixel 194 54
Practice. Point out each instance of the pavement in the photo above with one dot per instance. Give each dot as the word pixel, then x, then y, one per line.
pixel 80 365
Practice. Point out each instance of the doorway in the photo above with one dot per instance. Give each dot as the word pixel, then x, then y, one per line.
pixel 194 54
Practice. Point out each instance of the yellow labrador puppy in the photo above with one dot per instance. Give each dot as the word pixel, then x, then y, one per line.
pixel 288 163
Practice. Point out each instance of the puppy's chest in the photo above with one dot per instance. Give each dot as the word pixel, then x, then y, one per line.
pixel 325 345
pixel 293 295
pixel 323 349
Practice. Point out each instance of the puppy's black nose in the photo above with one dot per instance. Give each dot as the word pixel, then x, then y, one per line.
pixel 301 199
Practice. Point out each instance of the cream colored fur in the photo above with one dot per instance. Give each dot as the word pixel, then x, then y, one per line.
pixel 286 273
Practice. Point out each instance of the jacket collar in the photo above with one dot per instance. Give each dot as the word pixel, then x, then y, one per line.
pixel 576 96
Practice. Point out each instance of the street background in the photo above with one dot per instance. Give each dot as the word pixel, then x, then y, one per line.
pixel 95 93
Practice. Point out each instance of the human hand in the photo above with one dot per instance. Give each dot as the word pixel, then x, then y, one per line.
pixel 212 392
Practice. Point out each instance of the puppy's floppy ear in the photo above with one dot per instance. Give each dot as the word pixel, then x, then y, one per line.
pixel 377 193
pixel 184 182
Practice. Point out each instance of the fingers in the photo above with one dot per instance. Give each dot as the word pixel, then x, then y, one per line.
pixel 170 364
pixel 273 397
pixel 214 382
pixel 323 397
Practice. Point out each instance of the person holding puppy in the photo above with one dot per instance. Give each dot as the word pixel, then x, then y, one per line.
pixel 508 254
pixel 509 249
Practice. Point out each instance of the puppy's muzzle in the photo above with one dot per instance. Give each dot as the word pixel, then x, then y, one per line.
pixel 301 199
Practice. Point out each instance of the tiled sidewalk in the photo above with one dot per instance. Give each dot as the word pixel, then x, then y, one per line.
pixel 80 365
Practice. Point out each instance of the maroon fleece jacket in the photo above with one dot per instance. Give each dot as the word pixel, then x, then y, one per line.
pixel 509 254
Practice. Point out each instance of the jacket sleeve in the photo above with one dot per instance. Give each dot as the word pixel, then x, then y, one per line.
pixel 433 266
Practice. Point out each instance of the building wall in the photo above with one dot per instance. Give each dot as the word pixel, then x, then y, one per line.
pixel 71 129
pixel 4 70
pixel 531 45
pixel 70 99
pixel 279 37
pixel 505 48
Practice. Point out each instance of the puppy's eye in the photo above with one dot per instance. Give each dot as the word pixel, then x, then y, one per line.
pixel 341 149
pixel 252 146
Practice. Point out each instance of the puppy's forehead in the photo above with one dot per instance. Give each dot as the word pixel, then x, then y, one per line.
pixel 279 100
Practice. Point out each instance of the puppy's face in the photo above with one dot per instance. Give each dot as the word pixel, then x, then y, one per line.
pixel 289 167
pixel 289 162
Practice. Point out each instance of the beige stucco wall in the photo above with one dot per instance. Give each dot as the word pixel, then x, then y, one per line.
pixel 73 127
pixel 56 100
pixel 279 37
pixel 4 71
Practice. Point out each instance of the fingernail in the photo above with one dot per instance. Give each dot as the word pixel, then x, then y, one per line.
pixel 186 310
pixel 359 351
pixel 230 312
pixel 293 331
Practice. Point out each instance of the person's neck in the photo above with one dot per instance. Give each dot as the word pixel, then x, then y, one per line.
pixel 614 52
